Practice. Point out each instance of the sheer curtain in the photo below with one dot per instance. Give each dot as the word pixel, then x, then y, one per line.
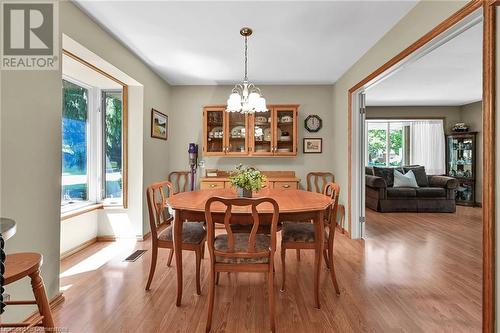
pixel 428 146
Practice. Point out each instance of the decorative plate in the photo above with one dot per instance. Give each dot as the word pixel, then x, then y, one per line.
pixel 216 132
pixel 238 132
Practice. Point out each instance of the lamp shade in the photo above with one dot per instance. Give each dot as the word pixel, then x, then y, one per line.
pixel 234 102
pixel 261 105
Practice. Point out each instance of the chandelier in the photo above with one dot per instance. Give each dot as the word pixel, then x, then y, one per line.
pixel 246 97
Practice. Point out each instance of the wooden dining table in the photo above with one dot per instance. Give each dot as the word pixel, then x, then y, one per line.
pixel 294 206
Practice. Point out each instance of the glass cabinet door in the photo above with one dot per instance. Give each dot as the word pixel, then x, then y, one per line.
pixel 262 133
pixel 284 135
pixel 460 159
pixel 237 133
pixel 214 132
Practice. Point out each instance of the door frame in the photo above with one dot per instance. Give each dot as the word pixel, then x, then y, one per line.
pixel 413 52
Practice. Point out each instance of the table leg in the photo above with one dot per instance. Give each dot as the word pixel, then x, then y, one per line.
pixel 319 236
pixel 177 235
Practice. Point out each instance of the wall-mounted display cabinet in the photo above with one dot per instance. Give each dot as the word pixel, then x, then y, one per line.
pixel 271 133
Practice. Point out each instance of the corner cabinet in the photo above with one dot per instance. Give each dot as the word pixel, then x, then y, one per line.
pixel 461 164
pixel 271 133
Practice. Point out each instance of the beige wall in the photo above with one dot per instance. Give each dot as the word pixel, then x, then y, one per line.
pixel 30 127
pixel 451 114
pixel 472 115
pixel 30 133
pixel 186 126
pixel 420 20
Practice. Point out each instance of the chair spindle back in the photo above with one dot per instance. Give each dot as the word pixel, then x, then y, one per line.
pixel 180 180
pixel 157 205
pixel 319 180
pixel 228 205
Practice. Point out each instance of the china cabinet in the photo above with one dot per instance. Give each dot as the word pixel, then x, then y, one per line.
pixel 271 133
pixel 460 163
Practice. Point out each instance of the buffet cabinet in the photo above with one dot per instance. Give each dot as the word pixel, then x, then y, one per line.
pixel 271 133
pixel 275 180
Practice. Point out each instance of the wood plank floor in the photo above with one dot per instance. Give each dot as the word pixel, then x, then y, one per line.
pixel 413 273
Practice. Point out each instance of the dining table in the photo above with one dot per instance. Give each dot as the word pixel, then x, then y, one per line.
pixel 294 206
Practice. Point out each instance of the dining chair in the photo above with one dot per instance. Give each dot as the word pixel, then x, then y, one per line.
pixel 319 180
pixel 301 235
pixel 17 267
pixel 316 182
pixel 193 233
pixel 241 252
pixel 180 180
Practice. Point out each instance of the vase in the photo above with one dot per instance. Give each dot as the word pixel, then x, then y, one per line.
pixel 244 193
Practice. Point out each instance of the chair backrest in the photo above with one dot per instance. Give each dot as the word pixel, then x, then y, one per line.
pixel 157 205
pixel 332 190
pixel 319 180
pixel 228 204
pixel 180 180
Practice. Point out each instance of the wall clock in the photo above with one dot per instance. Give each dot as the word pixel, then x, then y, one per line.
pixel 313 123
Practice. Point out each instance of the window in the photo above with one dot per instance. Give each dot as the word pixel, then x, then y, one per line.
pixel 112 125
pixel 387 143
pixel 75 178
pixel 92 148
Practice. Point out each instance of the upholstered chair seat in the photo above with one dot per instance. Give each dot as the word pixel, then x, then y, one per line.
pixel 299 232
pixel 262 243
pixel 192 233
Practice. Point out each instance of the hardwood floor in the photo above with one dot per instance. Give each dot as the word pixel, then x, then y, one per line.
pixel 413 273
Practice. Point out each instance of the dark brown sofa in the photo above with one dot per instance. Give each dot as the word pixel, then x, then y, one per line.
pixel 434 194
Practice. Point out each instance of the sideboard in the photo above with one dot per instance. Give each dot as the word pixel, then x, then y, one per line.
pixel 275 179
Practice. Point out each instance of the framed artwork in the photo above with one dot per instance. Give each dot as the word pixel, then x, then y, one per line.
pixel 159 125
pixel 313 145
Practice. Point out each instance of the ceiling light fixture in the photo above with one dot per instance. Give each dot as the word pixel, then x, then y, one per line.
pixel 246 97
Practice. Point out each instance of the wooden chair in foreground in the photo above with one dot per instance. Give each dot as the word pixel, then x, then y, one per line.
pixel 180 180
pixel 301 235
pixel 21 265
pixel 241 252
pixel 193 233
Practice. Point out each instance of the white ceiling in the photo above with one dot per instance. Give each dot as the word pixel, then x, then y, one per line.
pixel 449 75
pixel 75 69
pixel 294 42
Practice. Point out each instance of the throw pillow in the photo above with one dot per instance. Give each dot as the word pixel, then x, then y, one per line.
pixel 420 175
pixel 386 173
pixel 406 180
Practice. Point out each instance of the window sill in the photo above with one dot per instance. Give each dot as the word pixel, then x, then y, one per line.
pixel 79 211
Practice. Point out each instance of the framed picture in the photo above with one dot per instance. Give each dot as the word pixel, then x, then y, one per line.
pixel 159 125
pixel 313 145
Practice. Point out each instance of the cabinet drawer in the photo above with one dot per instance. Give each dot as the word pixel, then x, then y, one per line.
pixel 211 185
pixel 285 185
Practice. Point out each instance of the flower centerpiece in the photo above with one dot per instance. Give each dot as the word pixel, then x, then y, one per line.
pixel 246 180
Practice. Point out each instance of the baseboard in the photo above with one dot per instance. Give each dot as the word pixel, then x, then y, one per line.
pixel 78 248
pixel 106 238
pixel 55 301
pixel 112 238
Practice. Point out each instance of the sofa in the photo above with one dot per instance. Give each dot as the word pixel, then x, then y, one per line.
pixel 433 194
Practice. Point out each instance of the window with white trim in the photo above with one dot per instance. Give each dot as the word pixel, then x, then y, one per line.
pixel 92 149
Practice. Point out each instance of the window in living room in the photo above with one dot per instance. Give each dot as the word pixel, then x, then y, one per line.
pixel 400 142
pixel 387 143
pixel 92 138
